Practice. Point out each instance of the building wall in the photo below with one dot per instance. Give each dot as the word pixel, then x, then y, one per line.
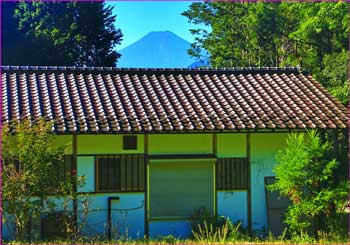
pixel 127 215
pixel 231 145
pixel 131 206
pixel 264 147
pixel 106 144
pixel 180 144
pixel 233 205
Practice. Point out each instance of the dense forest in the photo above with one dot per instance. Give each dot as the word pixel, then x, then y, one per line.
pixel 311 35
pixel 68 33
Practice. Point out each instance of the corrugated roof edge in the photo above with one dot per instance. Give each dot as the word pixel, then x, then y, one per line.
pixel 155 70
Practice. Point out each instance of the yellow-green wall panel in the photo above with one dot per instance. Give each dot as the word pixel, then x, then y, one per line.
pixel 106 144
pixel 180 144
pixel 231 145
pixel 62 140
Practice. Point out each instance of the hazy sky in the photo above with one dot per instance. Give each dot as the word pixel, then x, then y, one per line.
pixel 137 18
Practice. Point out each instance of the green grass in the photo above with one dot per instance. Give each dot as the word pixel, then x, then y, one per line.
pixel 211 239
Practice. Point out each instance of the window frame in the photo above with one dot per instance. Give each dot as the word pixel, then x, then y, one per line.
pixel 235 184
pixel 140 169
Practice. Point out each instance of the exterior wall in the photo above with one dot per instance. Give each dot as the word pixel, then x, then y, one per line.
pixel 86 168
pixel 106 144
pixel 127 215
pixel 233 205
pixel 180 144
pixel 8 227
pixel 130 215
pixel 264 147
pixel 177 228
pixel 64 140
pixel 231 145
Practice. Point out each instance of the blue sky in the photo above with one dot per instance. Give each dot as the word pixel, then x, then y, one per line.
pixel 137 18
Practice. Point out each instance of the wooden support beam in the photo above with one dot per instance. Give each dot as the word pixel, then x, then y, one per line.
pixel 145 145
pixel 214 149
pixel 75 200
pixel 249 198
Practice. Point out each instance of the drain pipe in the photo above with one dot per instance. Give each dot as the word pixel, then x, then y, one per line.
pixel 109 215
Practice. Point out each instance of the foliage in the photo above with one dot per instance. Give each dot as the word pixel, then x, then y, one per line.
pixel 72 229
pixel 68 33
pixel 28 170
pixel 209 234
pixel 31 186
pixel 207 228
pixel 305 175
pixel 313 35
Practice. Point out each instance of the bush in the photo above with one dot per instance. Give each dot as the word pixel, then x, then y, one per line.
pixel 206 228
pixel 305 174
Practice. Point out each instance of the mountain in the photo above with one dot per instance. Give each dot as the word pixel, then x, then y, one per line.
pixel 161 49
pixel 200 63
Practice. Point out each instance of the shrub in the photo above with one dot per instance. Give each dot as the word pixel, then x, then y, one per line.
pixel 305 174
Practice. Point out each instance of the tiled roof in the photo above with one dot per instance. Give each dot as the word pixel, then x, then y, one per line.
pixel 112 100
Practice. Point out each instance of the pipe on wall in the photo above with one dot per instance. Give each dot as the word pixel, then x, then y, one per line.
pixel 109 215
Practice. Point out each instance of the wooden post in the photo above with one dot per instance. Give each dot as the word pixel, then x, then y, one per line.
pixel 75 201
pixel 249 198
pixel 145 145
pixel 214 149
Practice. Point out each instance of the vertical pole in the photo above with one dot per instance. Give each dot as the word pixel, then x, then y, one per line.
pixel 249 198
pixel 214 149
pixel 75 202
pixel 146 184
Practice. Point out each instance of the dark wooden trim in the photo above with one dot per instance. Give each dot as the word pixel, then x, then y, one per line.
pixel 249 193
pixel 110 192
pixel 75 198
pixel 225 131
pixel 215 148
pixel 146 221
pixel 108 154
pixel 102 192
pixel 182 156
pixel 95 173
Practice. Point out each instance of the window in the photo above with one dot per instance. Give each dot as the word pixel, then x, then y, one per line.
pixel 64 168
pixel 54 224
pixel 232 174
pixel 130 142
pixel 120 173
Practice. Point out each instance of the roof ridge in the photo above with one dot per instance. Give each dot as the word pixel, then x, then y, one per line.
pixel 104 68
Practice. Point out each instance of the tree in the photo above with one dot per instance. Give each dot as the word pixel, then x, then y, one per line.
pixel 313 35
pixel 60 33
pixel 29 175
pixel 305 174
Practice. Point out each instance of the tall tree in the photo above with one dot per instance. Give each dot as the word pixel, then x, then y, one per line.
pixel 59 33
pixel 313 35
